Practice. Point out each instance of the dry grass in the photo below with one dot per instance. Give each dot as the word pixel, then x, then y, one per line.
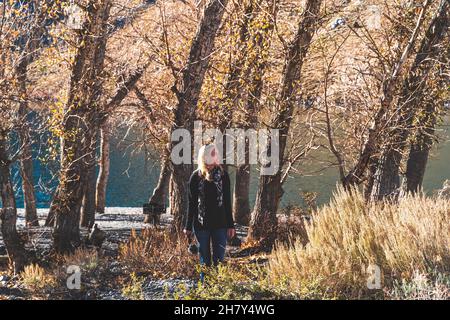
pixel 87 259
pixel 422 287
pixel 37 278
pixel 292 222
pixel 348 235
pixel 53 280
pixel 158 253
pixel 133 289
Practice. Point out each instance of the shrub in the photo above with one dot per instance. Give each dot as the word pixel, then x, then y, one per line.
pixel 133 290
pixel 159 253
pixel 239 282
pixel 422 286
pixel 348 235
pixel 292 223
pixel 36 278
pixel 292 220
pixel 87 259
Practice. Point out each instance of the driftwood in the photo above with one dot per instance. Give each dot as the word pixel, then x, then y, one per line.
pixel 96 236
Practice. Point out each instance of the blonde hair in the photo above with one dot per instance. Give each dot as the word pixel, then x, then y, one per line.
pixel 207 155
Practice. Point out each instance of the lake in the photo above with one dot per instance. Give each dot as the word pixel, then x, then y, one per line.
pixel 132 179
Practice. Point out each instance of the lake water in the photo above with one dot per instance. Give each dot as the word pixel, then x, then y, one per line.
pixel 132 179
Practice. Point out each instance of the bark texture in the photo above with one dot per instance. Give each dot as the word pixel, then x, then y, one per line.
pixel 160 192
pixel 80 121
pixel 88 204
pixel 390 88
pixel 420 150
pixel 103 174
pixel 264 222
pixel 387 177
pixel 8 214
pixel 26 159
pixel 188 92
pixel 257 41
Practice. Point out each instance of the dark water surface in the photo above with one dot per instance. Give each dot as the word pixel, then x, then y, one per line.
pixel 132 179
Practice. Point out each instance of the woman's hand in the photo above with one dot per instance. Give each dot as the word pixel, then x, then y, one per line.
pixel 187 232
pixel 231 232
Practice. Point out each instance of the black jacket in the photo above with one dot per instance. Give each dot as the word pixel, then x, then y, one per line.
pixel 215 217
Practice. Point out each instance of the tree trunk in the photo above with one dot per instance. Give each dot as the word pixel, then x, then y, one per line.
pixel 387 181
pixel 417 163
pixel 8 215
pixel 103 175
pixel 81 121
pixel 241 202
pixel 178 197
pixel 232 93
pixel 30 31
pixel 66 204
pixel 26 160
pixel 233 88
pixel 169 210
pixel 50 220
pixel 88 205
pixel 420 150
pixel 370 184
pixel 105 134
pixel 389 91
pixel 26 172
pixel 188 93
pixel 160 192
pixel 263 226
pixel 264 223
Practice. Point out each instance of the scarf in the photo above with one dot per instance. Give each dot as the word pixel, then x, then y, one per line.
pixel 216 175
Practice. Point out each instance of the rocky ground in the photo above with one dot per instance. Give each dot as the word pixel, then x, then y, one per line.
pixel 117 223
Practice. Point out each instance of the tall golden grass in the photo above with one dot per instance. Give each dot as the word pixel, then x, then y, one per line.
pixel 37 278
pixel 349 235
pixel 158 253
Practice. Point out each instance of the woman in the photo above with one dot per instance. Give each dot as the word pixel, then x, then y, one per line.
pixel 209 215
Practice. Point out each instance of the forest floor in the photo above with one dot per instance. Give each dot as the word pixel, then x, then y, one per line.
pixel 118 223
pixel 138 261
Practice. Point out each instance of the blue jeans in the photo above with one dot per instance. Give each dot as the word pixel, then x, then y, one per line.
pixel 218 237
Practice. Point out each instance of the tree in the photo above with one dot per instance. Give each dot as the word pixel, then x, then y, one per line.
pixel 103 174
pixel 420 149
pixel 389 89
pixel 387 176
pixel 159 196
pixel 26 160
pixel 255 64
pixel 187 91
pixel 232 88
pixel 80 123
pixel 430 109
pixel 95 188
pixel 264 221
pixel 87 214
pixel 34 17
pixel 21 35
pixel 8 215
pixel 113 85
